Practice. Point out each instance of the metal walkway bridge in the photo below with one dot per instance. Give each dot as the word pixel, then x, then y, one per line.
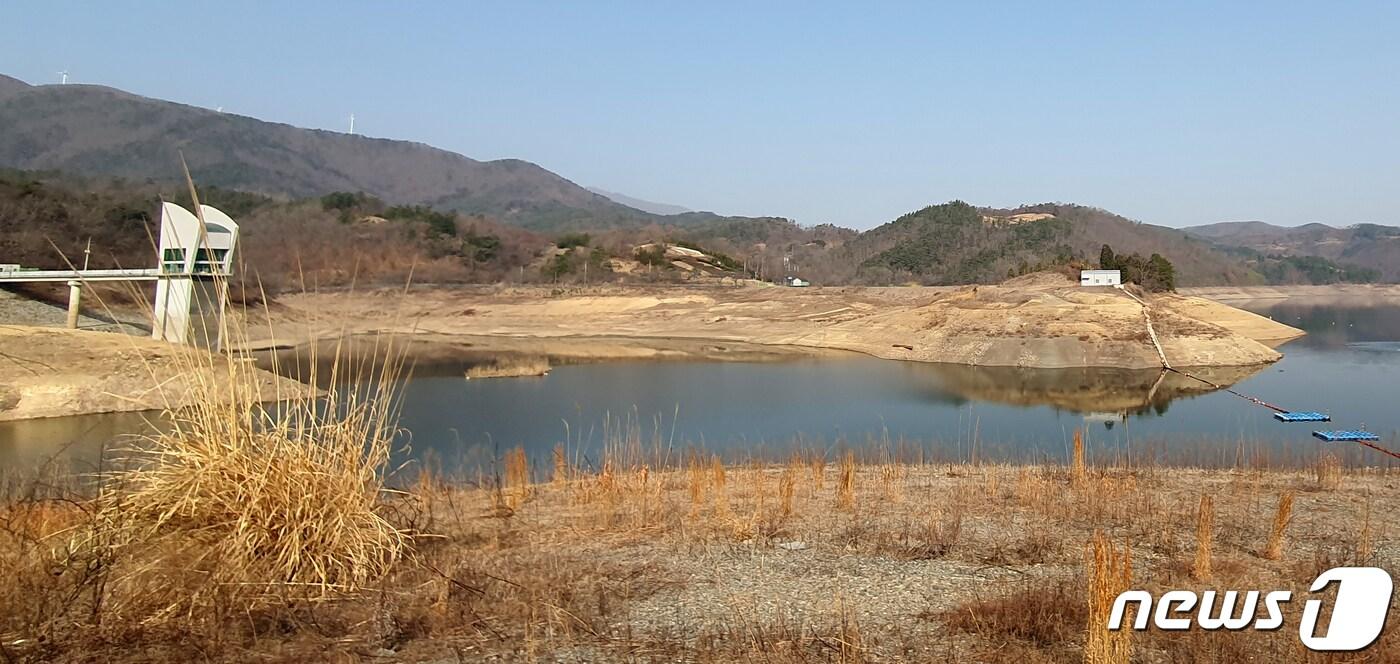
pixel 82 276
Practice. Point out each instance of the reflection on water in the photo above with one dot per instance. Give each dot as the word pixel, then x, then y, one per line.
pixel 1348 367
pixel 1376 346
pixel 74 444
pixel 1096 391
pixel 1332 325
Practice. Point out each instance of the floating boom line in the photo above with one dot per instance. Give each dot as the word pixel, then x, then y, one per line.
pixel 1281 414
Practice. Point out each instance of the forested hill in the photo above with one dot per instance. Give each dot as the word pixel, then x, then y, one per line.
pixel 478 220
pixel 1312 252
pixel 956 243
pixel 98 131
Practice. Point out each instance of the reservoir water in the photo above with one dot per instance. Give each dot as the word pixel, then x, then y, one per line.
pixel 1347 366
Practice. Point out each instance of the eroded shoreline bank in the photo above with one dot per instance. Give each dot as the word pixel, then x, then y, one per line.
pixel 1038 323
pixel 1032 323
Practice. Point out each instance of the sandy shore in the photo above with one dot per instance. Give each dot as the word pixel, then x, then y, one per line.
pixel 1037 323
pixel 1350 294
pixel 51 372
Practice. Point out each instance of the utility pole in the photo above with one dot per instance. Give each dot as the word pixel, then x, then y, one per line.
pixel 75 291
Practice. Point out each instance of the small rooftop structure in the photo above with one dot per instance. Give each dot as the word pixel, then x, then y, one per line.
pixel 1100 278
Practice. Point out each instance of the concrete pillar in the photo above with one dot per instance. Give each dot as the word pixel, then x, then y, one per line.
pixel 75 302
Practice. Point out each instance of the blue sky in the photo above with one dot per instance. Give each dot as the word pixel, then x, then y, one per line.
pixel 1182 114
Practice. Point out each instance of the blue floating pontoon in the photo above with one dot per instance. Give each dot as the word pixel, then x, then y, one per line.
pixel 1302 416
pixel 1345 436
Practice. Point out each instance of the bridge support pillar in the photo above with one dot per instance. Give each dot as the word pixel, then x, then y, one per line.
pixel 75 303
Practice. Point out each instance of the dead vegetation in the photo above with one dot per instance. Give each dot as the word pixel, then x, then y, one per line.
pixel 645 553
pixel 510 367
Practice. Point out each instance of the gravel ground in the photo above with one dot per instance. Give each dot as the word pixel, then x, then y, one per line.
pixel 17 309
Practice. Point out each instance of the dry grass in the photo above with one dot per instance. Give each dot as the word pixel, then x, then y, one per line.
pixel 636 559
pixel 1110 573
pixel 561 464
pixel 510 367
pixel 517 487
pixel 1077 471
pixel 1366 539
pixel 1205 536
pixel 846 483
pixel 1274 549
pixel 1328 471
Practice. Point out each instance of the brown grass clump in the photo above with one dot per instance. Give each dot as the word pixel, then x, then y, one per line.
pixel 1328 471
pixel 891 482
pixel 242 505
pixel 787 486
pixel 695 480
pixel 1043 615
pixel 1077 471
pixel 1110 574
pixel 717 473
pixel 818 471
pixel 846 485
pixel 1274 549
pixel 517 480
pixel 510 367
pixel 1205 534
pixel 1366 539
pixel 561 464
pixel 717 476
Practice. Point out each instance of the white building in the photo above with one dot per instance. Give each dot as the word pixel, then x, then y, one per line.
pixel 1100 278
pixel 196 261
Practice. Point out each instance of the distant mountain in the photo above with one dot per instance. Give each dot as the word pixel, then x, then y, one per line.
pixel 98 131
pixel 956 243
pixel 637 203
pixel 1367 247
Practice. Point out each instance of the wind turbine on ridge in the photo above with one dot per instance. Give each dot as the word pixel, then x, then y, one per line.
pixel 64 80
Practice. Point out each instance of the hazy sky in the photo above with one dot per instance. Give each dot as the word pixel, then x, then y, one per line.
pixel 846 114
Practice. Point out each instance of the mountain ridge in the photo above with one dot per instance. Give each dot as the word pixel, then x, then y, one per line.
pixel 1364 246
pixel 93 130
pixel 639 203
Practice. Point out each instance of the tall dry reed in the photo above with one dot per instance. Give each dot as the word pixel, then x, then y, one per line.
pixel 517 487
pixel 1274 549
pixel 1110 574
pixel 787 486
pixel 1205 534
pixel 846 484
pixel 1077 471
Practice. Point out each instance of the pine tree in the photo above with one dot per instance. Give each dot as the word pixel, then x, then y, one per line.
pixel 1107 261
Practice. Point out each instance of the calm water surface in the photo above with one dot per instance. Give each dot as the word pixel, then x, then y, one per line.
pixel 1348 366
